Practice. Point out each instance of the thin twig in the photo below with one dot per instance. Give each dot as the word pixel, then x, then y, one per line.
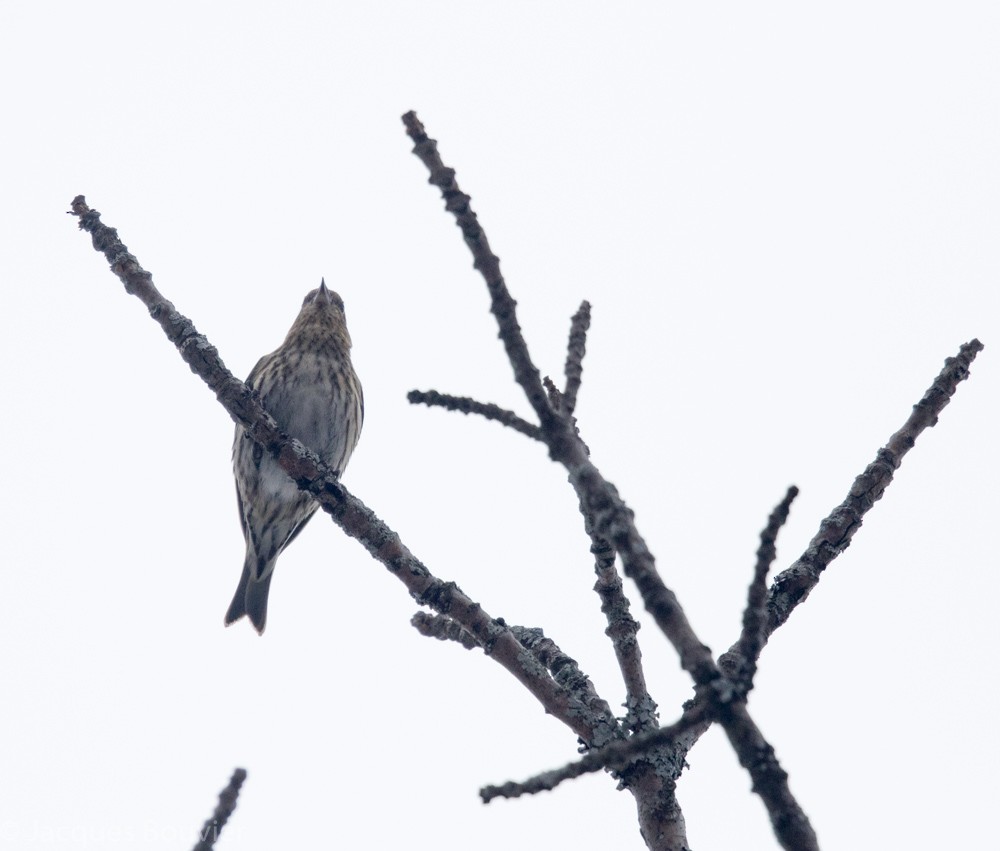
pixel 311 475
pixel 554 394
pixel 754 615
pixel 622 629
pixel 465 405
pixel 224 809
pixel 575 350
pixel 615 756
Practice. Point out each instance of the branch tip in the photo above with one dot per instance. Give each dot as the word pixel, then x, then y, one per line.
pixel 465 405
pixel 502 305
pixel 575 351
pixel 443 628
pixel 794 584
pixel 224 809
pixel 742 666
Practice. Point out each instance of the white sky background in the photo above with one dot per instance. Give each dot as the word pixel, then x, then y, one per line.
pixel 785 219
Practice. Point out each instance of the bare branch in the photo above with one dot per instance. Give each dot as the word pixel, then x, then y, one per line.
pixel 621 626
pixel 224 809
pixel 752 637
pixel 347 511
pixel 575 350
pixel 465 405
pixel 792 586
pixel 567 673
pixel 554 394
pixel 615 756
pixel 770 780
pixel 504 308
pixel 564 670
pixel 622 629
pixel 612 519
pixel 502 305
pixel 444 629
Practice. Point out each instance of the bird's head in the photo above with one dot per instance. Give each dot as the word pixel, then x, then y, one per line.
pixel 322 316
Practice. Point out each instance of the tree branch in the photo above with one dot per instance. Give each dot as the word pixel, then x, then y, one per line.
pixel 612 519
pixel 567 673
pixel 465 405
pixel 752 637
pixel 622 629
pixel 616 756
pixel 770 780
pixel 575 350
pixel 224 809
pixel 347 511
pixel 487 263
pixel 793 585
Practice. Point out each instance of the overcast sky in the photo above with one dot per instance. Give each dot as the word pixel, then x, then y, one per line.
pixel 785 219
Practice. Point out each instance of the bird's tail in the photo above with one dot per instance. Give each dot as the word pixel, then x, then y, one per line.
pixel 250 598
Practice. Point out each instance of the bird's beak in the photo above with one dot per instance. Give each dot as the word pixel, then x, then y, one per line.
pixel 323 293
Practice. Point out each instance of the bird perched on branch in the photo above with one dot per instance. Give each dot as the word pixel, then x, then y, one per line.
pixel 309 386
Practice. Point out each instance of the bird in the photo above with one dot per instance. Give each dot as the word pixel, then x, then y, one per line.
pixel 309 386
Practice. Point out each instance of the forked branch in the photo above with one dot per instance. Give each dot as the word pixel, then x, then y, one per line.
pixel 614 522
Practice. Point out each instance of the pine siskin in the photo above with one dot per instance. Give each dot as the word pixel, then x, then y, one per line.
pixel 309 386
